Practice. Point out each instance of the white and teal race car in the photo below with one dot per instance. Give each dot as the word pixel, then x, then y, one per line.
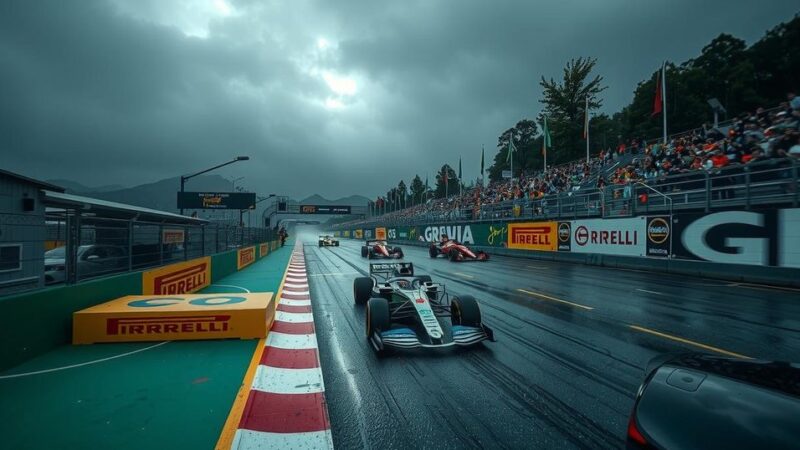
pixel 405 311
pixel 326 240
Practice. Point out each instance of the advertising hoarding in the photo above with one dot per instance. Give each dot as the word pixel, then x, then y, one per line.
pixel 540 236
pixel 216 200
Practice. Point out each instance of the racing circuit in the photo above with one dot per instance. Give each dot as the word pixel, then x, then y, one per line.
pixel 572 343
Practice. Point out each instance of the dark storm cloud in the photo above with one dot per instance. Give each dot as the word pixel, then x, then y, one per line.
pixel 134 91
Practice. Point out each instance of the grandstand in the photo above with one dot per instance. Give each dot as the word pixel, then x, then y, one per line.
pixel 751 159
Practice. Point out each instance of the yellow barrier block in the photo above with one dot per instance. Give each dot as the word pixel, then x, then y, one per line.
pixel 175 317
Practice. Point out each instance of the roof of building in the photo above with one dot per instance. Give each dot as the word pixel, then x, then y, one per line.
pixel 38 183
pixel 107 209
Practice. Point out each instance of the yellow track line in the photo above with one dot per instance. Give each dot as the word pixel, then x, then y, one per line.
pixel 547 297
pixel 687 341
pixel 235 415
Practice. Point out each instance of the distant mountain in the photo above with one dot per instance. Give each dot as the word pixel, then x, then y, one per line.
pixel 353 200
pixel 161 195
pixel 74 187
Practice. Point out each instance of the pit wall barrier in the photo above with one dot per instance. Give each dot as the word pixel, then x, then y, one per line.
pixel 756 246
pixel 35 322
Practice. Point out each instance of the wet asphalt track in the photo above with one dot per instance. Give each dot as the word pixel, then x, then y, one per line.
pixel 561 375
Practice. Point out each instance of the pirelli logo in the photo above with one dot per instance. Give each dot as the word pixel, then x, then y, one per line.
pixel 168 324
pixel 182 281
pixel 532 236
pixel 245 257
pixel 180 278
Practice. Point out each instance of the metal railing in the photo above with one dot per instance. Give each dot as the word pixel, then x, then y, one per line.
pixel 758 184
pixel 69 248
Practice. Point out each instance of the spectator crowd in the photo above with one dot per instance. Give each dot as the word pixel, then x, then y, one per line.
pixel 750 138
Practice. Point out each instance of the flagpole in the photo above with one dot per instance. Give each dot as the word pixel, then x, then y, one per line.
pixel 511 154
pixel 664 97
pixel 587 129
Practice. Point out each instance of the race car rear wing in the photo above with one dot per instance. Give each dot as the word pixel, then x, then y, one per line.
pixel 393 269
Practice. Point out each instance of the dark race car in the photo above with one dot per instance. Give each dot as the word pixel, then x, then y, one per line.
pixel 456 251
pixel 380 249
pixel 408 311
pixel 696 401
pixel 326 240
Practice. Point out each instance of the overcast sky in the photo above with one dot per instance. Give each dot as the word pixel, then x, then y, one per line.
pixel 335 97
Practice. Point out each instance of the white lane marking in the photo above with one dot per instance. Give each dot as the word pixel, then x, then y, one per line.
pixel 295 285
pixel 278 380
pixel 291 341
pixel 284 316
pixel 231 286
pixel 297 279
pixel 295 293
pixel 290 302
pixel 464 275
pixel 537 267
pixel 764 287
pixel 651 292
pixel 262 440
pixel 56 369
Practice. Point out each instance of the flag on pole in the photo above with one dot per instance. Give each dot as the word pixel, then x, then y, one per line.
pixel 545 138
pixel 459 169
pixel 511 148
pixel 482 151
pixel 658 100
pixel 586 119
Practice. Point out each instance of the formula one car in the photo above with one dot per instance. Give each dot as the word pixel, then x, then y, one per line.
pixel 380 249
pixel 327 240
pixel 408 311
pixel 456 251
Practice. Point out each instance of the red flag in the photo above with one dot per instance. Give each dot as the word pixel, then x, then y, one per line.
pixel 658 100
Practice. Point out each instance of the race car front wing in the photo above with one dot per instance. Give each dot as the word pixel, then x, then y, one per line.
pixel 407 338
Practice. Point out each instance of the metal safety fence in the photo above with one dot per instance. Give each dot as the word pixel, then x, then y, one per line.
pixel 69 248
pixel 772 182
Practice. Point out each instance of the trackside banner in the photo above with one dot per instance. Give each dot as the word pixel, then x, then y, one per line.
pixel 540 236
pixel 263 249
pixel 245 257
pixel 610 236
pixel 179 278
pixel 762 238
pixel 380 234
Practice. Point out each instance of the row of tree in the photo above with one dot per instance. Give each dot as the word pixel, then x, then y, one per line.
pixel 742 78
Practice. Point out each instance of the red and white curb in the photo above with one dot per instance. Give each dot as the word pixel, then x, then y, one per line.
pixel 286 405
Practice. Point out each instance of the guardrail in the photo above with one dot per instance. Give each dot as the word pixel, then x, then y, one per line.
pixel 770 182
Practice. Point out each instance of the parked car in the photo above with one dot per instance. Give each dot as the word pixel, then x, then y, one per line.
pixel 93 260
pixel 697 401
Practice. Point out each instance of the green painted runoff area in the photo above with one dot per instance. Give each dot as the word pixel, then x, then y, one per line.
pixel 146 395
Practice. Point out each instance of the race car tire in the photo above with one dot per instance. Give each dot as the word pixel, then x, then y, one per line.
pixel 453 255
pixel 364 251
pixel 377 316
pixel 336 244
pixel 362 290
pixel 432 251
pixel 465 311
pixel 398 251
pixel 483 256
pixel 320 243
pixel 424 278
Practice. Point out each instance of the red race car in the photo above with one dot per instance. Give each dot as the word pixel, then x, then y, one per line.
pixel 380 249
pixel 456 251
